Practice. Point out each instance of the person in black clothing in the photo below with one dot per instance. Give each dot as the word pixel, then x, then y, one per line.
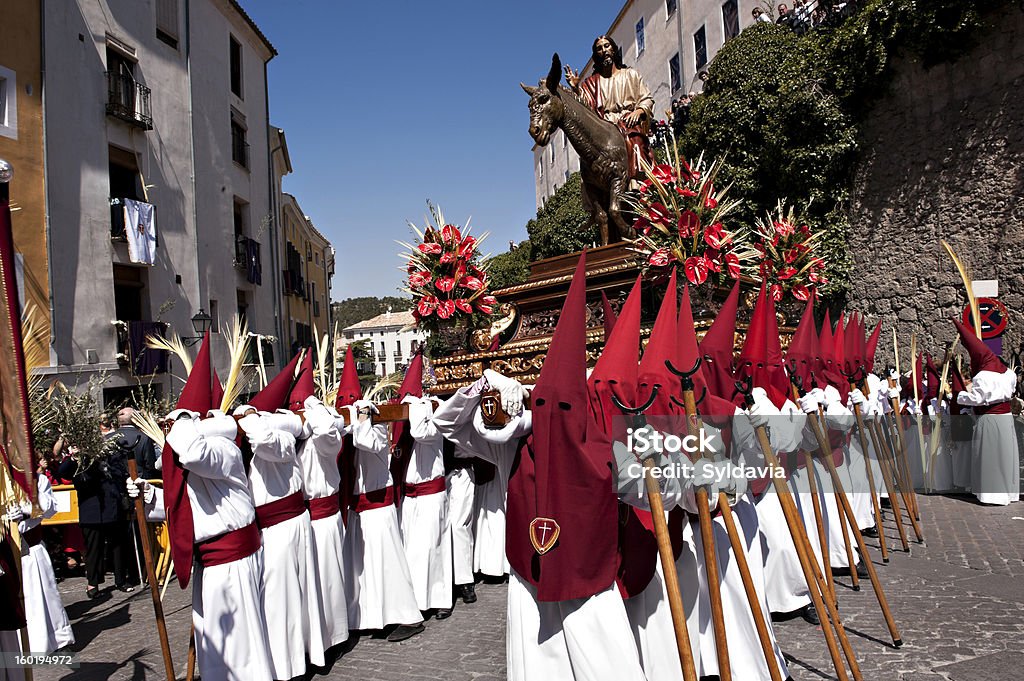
pixel 133 442
pixel 102 512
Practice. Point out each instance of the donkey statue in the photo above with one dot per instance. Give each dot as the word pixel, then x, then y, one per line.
pixel 604 163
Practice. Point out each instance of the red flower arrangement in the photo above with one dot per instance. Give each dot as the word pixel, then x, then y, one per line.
pixel 783 254
pixel 447 277
pixel 682 223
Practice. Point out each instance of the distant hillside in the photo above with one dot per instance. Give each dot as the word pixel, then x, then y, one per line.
pixel 352 310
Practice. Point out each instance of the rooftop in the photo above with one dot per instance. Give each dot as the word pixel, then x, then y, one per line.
pixel 386 320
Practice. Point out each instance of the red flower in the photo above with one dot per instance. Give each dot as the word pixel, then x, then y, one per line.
pixel 801 292
pixel 642 225
pixel 430 248
pixel 732 265
pixel 450 234
pixel 477 272
pixel 445 284
pixel 664 173
pixel 805 230
pixel 689 223
pixel 420 278
pixel 685 192
pixel 713 235
pixel 696 270
pixel 783 227
pixel 711 263
pixel 486 304
pixel 687 172
pixel 791 255
pixel 472 283
pixel 448 258
pixel 659 258
pixel 711 202
pixel 446 309
pixel 467 247
pixel 426 306
pixel 645 186
pixel 786 273
pixel 658 213
pixel 776 292
pixel 463 305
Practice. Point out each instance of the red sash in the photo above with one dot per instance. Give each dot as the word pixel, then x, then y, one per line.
pixel 998 408
pixel 422 489
pixel 324 507
pixel 280 510
pixel 229 547
pixel 378 498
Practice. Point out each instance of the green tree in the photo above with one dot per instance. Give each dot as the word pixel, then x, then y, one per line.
pixel 511 267
pixel 351 310
pixel 560 225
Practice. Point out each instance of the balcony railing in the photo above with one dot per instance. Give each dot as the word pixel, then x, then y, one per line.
pixel 128 100
pixel 248 258
pixel 382 356
pixel 240 151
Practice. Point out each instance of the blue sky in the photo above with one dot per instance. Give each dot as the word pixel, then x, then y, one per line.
pixel 388 105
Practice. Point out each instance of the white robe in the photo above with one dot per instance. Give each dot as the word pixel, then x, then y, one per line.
pixel 426 533
pixel 227 600
pixel 587 639
pixel 48 625
pixel 318 458
pixel 461 487
pixel 290 588
pixel 995 457
pixel 380 587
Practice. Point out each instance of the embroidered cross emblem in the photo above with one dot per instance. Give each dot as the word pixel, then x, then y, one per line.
pixel 543 534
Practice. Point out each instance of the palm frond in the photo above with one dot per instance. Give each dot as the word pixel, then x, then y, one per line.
pixel 966 278
pixel 387 384
pixel 238 341
pixel 173 345
pixel 145 422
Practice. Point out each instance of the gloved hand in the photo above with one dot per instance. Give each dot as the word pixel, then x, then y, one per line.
pixel 360 410
pixel 253 423
pixel 857 398
pixel 14 514
pixel 757 414
pixel 511 390
pixel 134 487
pixel 820 396
pixel 808 403
pixel 893 393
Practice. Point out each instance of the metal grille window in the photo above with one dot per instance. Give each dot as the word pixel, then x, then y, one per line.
pixel 640 37
pixel 127 99
pixel 674 76
pixel 239 147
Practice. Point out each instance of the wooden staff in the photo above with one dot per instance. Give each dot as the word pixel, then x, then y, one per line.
pixel 190 665
pixel 664 540
pixel 886 437
pixel 147 553
pixel 883 465
pixel 845 508
pixel 900 439
pixel 876 507
pixel 707 538
pixel 822 600
pixel 850 561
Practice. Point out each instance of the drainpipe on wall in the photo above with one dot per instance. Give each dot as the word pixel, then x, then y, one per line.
pixel 54 360
pixel 272 229
pixel 192 152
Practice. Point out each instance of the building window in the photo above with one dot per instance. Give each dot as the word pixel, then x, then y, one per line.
pixel 243 304
pixel 214 317
pixel 239 147
pixel 640 37
pixel 700 47
pixel 8 104
pixel 124 183
pixel 674 76
pixel 670 7
pixel 167 22
pixel 730 19
pixel 236 67
pixel 239 217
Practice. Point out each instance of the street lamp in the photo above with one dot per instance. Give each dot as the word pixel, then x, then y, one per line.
pixel 201 323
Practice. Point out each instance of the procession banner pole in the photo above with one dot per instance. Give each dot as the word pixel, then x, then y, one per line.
pixel 871 478
pixel 900 457
pixel 883 463
pixel 854 577
pixel 190 665
pixel 915 377
pixel 147 552
pixel 822 601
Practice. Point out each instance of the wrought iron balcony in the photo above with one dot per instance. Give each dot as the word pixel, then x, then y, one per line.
pixel 128 100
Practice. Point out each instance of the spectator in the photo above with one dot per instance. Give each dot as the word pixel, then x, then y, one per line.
pixel 136 444
pixel 102 510
pixel 786 16
pixel 761 16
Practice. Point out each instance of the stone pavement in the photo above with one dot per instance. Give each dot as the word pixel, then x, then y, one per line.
pixel 957 601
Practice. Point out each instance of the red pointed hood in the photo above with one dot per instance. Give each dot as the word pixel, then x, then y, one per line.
pixel 617 368
pixel 773 357
pixel 609 315
pixel 275 395
pixel 662 346
pixel 349 389
pixel 412 384
pixel 564 474
pixel 933 377
pixel 852 339
pixel 304 386
pixel 826 350
pixel 982 357
pixel 802 351
pixel 753 355
pixel 197 395
pixel 218 390
pixel 871 346
pixel 687 351
pixel 717 347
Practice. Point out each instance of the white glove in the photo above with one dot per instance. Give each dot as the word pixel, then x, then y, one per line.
pixel 808 403
pixel 253 423
pixel 148 491
pixel 857 398
pixel 14 514
pixel 821 396
pixel 893 393
pixel 757 415
pixel 512 391
pixel 364 405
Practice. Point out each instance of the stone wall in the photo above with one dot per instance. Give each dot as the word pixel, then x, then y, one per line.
pixel 943 158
